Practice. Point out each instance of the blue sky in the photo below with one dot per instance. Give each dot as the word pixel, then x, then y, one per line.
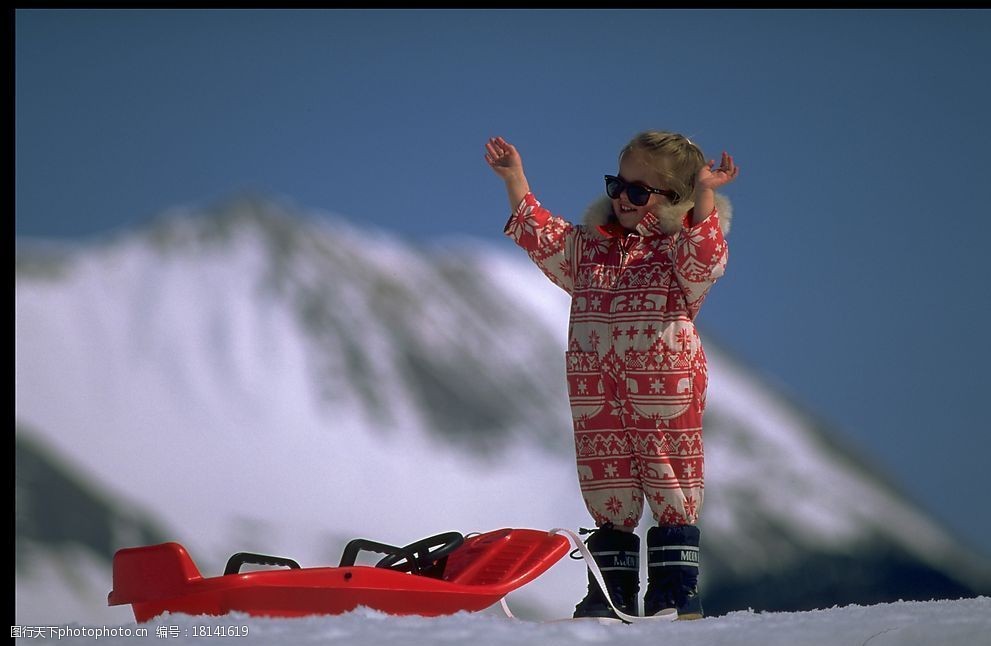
pixel 856 279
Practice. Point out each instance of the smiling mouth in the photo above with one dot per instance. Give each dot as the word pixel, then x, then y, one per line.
pixel 626 209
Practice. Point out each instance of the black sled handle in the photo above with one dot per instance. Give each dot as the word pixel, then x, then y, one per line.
pixel 363 544
pixel 235 562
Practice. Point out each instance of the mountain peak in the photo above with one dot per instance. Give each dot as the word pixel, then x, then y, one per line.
pixel 278 220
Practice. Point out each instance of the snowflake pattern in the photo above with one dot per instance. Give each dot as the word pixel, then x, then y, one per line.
pixel 671 516
pixel 691 508
pixel 598 247
pixel 519 226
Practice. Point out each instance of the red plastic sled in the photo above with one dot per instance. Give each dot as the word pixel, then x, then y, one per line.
pixel 463 574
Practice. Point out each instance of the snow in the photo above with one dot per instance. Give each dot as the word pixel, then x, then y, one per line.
pixel 964 622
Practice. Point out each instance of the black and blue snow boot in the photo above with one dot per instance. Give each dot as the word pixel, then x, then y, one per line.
pixel 673 571
pixel 617 553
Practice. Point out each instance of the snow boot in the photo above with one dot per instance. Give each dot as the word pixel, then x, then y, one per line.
pixel 617 553
pixel 673 571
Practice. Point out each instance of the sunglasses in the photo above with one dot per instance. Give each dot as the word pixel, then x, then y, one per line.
pixel 638 194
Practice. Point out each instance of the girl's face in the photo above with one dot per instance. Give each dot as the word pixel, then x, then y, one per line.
pixel 634 170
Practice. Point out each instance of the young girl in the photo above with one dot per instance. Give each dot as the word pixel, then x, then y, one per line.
pixel 637 271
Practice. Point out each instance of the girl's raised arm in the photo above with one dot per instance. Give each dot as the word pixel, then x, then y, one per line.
pixel 503 158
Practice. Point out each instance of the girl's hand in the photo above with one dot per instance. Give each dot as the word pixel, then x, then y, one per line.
pixel 503 158
pixel 708 178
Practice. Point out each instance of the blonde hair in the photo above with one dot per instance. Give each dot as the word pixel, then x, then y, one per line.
pixel 672 156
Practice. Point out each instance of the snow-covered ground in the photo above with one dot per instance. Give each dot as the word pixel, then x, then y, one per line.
pixel 964 622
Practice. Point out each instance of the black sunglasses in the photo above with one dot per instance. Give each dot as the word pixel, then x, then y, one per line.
pixel 638 194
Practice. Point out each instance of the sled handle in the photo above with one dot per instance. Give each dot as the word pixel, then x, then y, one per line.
pixel 363 544
pixel 235 562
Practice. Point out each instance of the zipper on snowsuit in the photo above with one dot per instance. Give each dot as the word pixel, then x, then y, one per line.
pixel 624 254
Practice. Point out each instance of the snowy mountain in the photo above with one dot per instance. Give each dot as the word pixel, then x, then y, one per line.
pixel 253 378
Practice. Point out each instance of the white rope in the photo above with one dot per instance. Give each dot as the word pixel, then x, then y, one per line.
pixel 667 615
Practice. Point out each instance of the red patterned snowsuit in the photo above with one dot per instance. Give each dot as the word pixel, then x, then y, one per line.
pixel 635 366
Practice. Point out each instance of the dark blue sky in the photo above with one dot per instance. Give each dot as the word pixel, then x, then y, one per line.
pixel 857 269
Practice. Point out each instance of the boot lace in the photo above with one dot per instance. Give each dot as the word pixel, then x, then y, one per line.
pixel 585 530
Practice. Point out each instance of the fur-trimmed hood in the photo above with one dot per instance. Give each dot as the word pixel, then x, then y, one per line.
pixel 669 218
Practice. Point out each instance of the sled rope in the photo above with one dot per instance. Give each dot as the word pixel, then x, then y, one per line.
pixel 597 574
